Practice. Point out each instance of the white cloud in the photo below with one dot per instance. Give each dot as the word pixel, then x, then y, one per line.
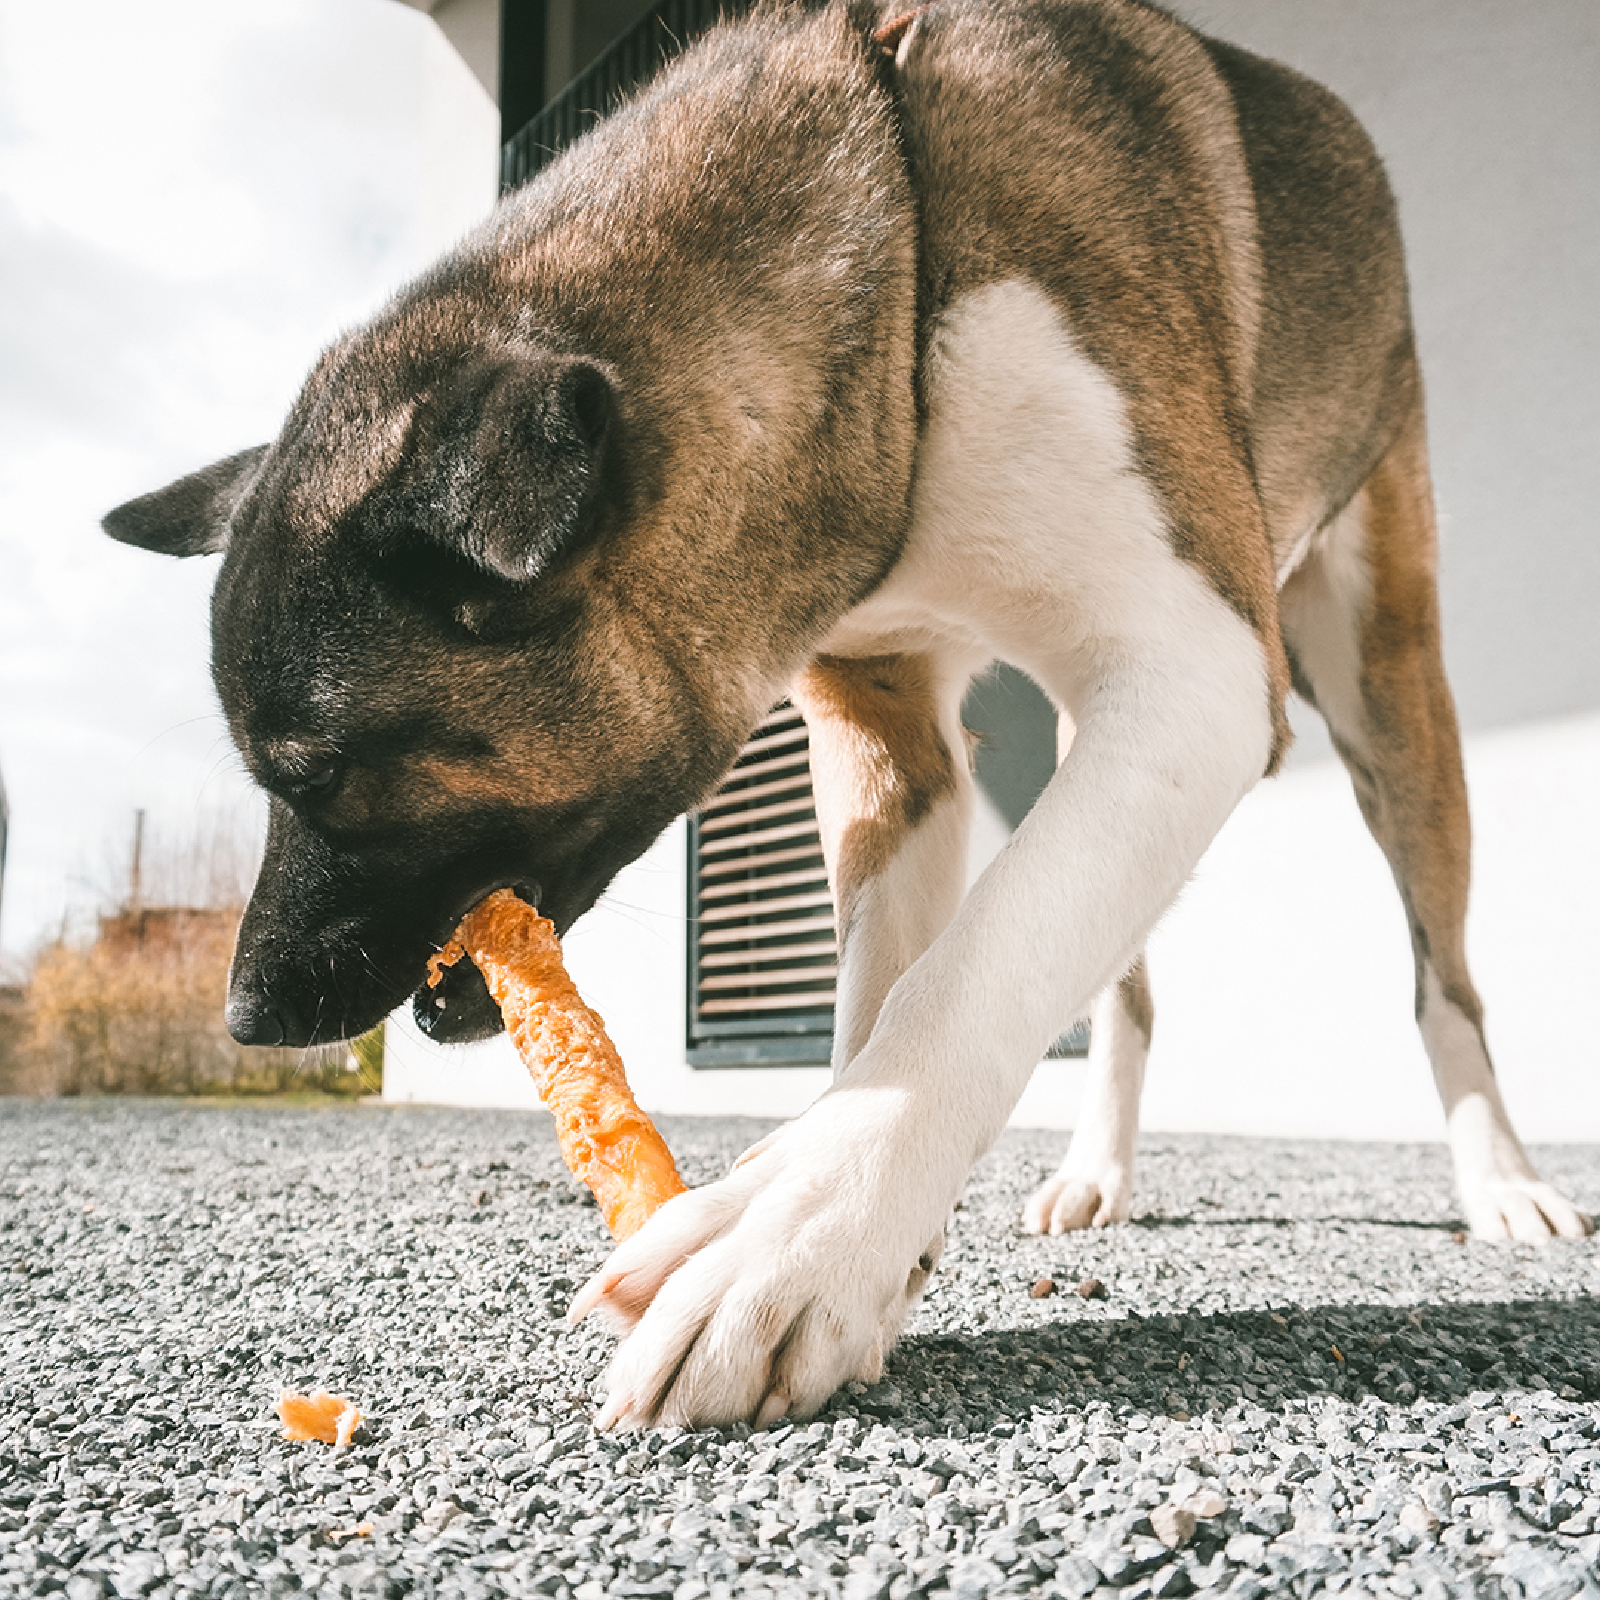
pixel 103 114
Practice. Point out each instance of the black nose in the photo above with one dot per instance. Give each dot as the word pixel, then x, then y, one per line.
pixel 253 1020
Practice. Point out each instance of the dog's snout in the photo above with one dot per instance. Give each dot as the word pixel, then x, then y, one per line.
pixel 261 1008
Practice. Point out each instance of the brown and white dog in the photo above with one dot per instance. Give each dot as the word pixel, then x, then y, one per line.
pixel 856 353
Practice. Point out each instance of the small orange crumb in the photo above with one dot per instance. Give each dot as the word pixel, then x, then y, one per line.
pixel 321 1416
pixel 606 1140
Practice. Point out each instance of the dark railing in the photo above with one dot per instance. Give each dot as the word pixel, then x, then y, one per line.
pixel 633 60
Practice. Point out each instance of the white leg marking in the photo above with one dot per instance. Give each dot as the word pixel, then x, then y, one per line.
pixel 896 915
pixel 1504 1197
pixel 1095 1184
pixel 1320 605
pixel 1035 538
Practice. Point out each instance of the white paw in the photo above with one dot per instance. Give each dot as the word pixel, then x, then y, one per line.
pixel 755 1297
pixel 1522 1208
pixel 1072 1200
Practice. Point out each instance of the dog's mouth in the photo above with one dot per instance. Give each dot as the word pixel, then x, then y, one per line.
pixel 527 890
pixel 326 950
pixel 459 1008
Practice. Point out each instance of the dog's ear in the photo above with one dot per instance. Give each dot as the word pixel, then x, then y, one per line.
pixel 189 517
pixel 541 441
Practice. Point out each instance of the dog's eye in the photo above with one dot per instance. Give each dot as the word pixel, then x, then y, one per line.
pixel 317 783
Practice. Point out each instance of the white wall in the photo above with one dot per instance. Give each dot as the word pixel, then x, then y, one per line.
pixel 1283 976
pixel 1487 116
pixel 473 29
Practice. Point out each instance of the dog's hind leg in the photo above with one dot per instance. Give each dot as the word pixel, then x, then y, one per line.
pixel 893 791
pixel 1095 1184
pixel 1361 621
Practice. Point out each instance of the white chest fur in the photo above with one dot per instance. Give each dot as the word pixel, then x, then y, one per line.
pixel 1034 536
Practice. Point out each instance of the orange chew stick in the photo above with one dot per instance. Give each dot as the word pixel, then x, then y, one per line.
pixel 321 1416
pixel 607 1141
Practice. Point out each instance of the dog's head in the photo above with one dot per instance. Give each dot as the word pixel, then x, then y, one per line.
pixel 434 643
pixel 483 619
pixel 537 547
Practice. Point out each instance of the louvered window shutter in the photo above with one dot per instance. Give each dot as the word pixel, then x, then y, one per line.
pixel 763 955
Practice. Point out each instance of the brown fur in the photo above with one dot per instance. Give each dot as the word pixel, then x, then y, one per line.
pixel 1411 784
pixel 877 751
pixel 1400 743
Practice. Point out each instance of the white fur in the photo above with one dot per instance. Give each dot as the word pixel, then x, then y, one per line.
pixel 1321 605
pixel 1504 1197
pixel 896 916
pixel 1034 539
pixel 1095 1184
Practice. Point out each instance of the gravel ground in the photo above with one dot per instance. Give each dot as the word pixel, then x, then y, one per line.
pixel 1289 1373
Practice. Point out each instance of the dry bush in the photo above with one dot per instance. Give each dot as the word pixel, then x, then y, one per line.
pixel 11 1024
pixel 137 1006
pixel 143 1015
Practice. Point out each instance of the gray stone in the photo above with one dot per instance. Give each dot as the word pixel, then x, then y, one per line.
pixel 1173 1525
pixel 1077 1576
pixel 974 1578
pixel 1269 1516
pixel 1018 1437
pixel 137 1574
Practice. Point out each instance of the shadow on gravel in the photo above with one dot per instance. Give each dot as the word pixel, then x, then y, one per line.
pixel 1185 1365
pixel 1157 1224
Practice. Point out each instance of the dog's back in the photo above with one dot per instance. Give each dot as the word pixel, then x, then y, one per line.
pixel 1336 373
pixel 1216 228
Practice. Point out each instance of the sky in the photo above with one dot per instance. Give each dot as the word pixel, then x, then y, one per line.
pixel 194 200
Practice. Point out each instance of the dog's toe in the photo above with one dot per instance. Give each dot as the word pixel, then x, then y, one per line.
pixel 755 1297
pixel 1524 1209
pixel 733 1339
pixel 870 1369
pixel 1069 1201
pixel 620 1293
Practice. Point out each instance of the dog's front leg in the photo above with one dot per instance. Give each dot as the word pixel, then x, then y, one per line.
pixel 761 1293
pixel 892 777
pixel 893 786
